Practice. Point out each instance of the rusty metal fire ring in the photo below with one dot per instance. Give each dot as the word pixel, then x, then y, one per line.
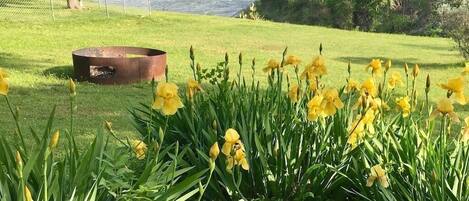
pixel 118 64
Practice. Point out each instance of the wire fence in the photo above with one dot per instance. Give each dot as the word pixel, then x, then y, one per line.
pixel 56 9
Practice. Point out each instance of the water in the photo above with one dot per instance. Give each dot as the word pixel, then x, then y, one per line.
pixel 206 7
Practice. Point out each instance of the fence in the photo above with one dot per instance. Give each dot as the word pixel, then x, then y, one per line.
pixel 55 9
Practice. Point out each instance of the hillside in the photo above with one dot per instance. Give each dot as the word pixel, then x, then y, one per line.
pixel 37 53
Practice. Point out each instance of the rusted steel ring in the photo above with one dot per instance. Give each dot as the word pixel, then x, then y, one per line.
pixel 118 64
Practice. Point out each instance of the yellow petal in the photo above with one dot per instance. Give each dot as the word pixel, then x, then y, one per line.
pixel 226 148
pixel 229 163
pixel 158 103
pixel 352 139
pixel 460 98
pixel 329 109
pixel 383 181
pixel 338 103
pixel 239 155
pixel 231 136
pixel 170 106
pixel 166 90
pixel 370 181
pixel 312 116
pixel 445 106
pixel 244 164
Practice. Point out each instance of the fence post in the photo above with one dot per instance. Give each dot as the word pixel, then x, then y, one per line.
pixel 125 10
pixel 107 12
pixel 149 7
pixel 51 5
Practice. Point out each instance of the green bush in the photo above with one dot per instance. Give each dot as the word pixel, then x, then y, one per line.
pixel 456 24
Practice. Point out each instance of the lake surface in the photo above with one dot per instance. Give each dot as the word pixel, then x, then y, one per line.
pixel 206 7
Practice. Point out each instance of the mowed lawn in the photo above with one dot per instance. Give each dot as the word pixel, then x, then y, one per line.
pixel 37 53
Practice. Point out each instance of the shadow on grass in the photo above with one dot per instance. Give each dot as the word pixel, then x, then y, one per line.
pixel 61 72
pixel 398 62
pixel 18 62
pixel 425 47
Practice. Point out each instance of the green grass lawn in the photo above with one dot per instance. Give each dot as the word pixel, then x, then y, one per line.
pixel 37 53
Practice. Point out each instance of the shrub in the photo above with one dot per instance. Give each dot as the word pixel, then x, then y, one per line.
pixel 456 24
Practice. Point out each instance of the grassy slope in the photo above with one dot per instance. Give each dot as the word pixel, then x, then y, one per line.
pixel 37 53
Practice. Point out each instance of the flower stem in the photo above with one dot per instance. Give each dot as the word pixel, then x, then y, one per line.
pixel 442 153
pixel 71 115
pixel 206 184
pixel 45 175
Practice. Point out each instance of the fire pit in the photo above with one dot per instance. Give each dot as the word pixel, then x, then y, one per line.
pixel 118 65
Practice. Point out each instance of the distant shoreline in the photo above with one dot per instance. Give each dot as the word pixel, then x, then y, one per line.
pixel 227 8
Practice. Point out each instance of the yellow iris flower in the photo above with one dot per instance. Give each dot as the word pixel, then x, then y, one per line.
pixel 316 68
pixel 456 86
pixel 271 65
pixel 315 107
pixel 4 87
pixel 356 133
pixel 233 149
pixel 359 126
pixel 445 107
pixel 395 80
pixel 369 87
pixel 331 102
pixel 319 65
pixel 140 149
pixel 192 88
pixel 292 60
pixel 377 173
pixel 294 93
pixel 376 66
pixel 404 105
pixel 167 99
pixel 465 131
pixel 352 85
